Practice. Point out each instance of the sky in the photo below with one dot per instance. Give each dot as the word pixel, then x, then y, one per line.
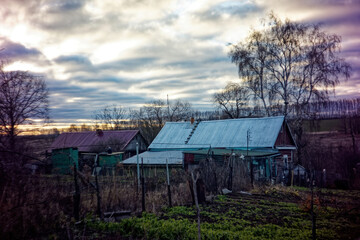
pixel 94 53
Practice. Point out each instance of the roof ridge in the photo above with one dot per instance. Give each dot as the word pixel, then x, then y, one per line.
pixel 242 119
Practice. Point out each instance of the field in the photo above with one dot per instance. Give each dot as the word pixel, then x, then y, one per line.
pixel 268 213
pixel 324 125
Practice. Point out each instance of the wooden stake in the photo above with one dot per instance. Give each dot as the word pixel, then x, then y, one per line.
pixel 194 180
pixel 168 182
pixel 142 185
pixel 76 196
pixel 313 217
pixel 97 188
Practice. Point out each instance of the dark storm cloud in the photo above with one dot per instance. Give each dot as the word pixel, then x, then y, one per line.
pixel 73 102
pixel 15 51
pixel 76 63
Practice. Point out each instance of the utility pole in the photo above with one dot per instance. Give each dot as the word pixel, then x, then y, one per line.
pixel 168 106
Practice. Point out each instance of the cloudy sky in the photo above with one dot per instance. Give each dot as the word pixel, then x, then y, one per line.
pixel 94 53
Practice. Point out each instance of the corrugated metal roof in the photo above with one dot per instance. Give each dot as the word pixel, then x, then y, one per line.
pixel 85 141
pixel 230 133
pixel 173 136
pixel 157 158
pixel 233 133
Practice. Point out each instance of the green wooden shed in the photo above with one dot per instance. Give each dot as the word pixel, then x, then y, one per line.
pixel 63 160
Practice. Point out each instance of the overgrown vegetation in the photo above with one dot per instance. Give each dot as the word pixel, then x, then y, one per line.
pixel 43 207
pixel 33 206
pixel 270 213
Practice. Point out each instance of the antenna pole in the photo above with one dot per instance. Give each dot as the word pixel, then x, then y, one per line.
pixel 168 105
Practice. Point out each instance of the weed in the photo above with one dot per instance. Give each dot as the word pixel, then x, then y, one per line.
pixel 221 198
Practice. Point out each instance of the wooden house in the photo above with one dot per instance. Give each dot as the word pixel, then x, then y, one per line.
pixel 260 138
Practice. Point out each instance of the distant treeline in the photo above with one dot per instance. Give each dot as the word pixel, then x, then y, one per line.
pixel 344 108
pixel 313 110
pixel 333 109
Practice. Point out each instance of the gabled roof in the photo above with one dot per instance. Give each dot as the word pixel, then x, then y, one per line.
pixel 86 141
pixel 231 133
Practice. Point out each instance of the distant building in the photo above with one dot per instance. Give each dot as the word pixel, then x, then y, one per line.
pixel 82 147
pixel 100 141
pixel 154 163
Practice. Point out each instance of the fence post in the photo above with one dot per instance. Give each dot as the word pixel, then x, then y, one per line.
pixel 143 185
pixel 251 172
pixel 168 182
pixel 137 167
pixel 97 188
pixel 76 196
pixel 313 216
pixel 194 181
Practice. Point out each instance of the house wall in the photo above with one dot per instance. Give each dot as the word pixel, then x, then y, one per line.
pixel 288 152
pixel 110 160
pixel 284 138
pixel 130 149
pixel 63 160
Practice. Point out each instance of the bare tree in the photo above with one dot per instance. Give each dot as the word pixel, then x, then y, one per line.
pixel 150 119
pixel 23 97
pixel 178 111
pixel 232 100
pixel 73 128
pixel 84 127
pixel 152 116
pixel 252 58
pixel 111 116
pixel 290 63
